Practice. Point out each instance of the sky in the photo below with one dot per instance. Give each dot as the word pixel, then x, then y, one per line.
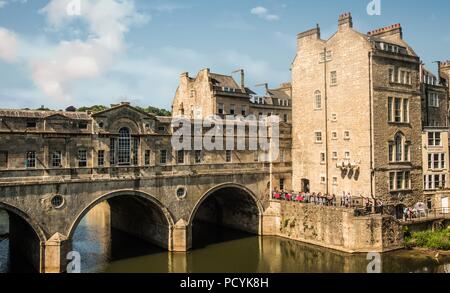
pixel 57 53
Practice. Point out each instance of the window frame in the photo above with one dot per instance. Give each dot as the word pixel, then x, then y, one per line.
pixel 229 156
pixel 30 159
pixel 333 78
pixel 101 158
pixel 398 110
pixel 406 181
pixel 82 158
pixel 147 157
pixel 318 100
pixel 434 138
pixel 181 157
pixel 318 134
pixel 198 157
pixel 163 159
pixel 56 159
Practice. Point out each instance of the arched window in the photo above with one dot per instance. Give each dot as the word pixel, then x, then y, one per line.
pixel 398 148
pixel 317 100
pixel 124 149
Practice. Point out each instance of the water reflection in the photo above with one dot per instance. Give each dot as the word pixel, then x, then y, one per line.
pixel 225 250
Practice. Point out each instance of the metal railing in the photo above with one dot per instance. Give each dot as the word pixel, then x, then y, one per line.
pixel 414 215
pixel 355 204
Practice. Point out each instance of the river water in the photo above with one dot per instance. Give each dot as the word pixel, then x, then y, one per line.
pixel 107 251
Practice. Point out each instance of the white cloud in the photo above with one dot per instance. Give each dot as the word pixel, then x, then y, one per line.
pixel 9 45
pixel 170 7
pixel 259 11
pixel 107 21
pixel 153 79
pixel 3 3
pixel 263 13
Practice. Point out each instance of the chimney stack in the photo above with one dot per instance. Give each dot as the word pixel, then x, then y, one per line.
pixel 243 80
pixel 345 21
pixel 395 29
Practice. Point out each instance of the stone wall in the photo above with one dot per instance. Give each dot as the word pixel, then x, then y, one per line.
pixel 4 223
pixel 337 228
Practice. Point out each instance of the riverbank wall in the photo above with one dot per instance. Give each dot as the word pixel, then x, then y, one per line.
pixel 333 227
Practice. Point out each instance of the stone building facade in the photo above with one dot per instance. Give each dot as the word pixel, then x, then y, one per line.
pixel 435 137
pixel 45 143
pixel 361 129
pixel 211 94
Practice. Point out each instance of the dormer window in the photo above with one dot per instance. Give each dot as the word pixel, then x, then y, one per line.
pixel 227 89
pixel 392 48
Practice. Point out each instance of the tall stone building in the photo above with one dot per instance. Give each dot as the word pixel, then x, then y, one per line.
pixel 435 138
pixel 211 94
pixel 360 129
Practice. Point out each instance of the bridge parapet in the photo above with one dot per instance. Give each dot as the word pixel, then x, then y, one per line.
pixel 127 172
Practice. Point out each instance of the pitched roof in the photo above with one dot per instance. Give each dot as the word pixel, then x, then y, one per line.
pixel 282 93
pixel 39 114
pixel 164 119
pixel 223 81
pixel 123 105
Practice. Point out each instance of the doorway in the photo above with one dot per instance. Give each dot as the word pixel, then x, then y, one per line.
pixel 305 186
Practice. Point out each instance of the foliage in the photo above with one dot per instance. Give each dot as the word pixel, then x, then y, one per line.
pixel 428 239
pixel 93 109
pixel 156 111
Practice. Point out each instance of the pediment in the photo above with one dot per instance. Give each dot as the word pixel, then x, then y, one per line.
pixel 124 111
pixel 57 117
pixel 124 115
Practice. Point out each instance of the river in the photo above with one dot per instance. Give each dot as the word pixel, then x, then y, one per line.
pixel 107 251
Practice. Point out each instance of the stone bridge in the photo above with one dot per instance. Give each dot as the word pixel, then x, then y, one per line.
pixel 160 207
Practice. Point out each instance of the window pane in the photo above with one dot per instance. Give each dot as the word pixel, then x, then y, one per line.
pixel 405 111
pixel 407 180
pixel 436 161
pixel 392 181
pixel 398 110
pixel 124 146
pixel 398 149
pixel 101 158
pixel 400 181
pixel 163 157
pixel 390 108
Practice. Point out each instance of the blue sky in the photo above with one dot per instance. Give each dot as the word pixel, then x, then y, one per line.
pixel 124 50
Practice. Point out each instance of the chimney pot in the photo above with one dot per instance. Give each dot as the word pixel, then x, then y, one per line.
pixel 345 20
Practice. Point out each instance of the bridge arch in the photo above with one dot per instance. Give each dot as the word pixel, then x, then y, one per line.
pixel 26 240
pixel 25 217
pixel 230 205
pixel 147 207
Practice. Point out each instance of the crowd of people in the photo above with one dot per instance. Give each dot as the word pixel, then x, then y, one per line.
pixel 410 214
pixel 347 200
